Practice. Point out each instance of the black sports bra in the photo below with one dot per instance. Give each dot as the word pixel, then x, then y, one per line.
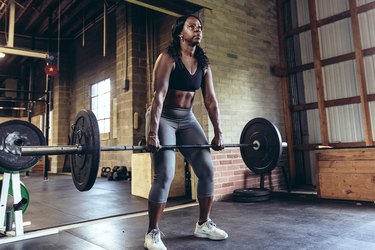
pixel 181 79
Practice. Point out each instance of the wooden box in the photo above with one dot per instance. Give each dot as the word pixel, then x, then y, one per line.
pixel 142 175
pixel 347 174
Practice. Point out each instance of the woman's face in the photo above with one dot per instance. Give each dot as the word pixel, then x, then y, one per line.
pixel 192 30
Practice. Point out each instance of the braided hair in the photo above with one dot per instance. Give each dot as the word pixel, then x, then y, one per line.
pixel 174 48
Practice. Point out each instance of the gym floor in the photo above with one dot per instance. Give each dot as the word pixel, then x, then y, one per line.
pixel 109 217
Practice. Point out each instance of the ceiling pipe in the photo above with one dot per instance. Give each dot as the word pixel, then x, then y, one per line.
pixel 24 52
pixel 92 23
pixel 12 15
pixel 2 5
pixel 104 28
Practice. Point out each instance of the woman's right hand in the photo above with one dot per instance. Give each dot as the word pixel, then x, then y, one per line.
pixel 153 143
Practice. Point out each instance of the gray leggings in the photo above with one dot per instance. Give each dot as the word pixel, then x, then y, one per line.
pixel 179 126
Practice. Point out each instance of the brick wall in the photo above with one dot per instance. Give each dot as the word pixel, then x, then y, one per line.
pixel 138 64
pixel 231 173
pixel 240 38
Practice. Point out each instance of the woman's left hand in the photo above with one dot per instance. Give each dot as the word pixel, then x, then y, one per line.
pixel 217 142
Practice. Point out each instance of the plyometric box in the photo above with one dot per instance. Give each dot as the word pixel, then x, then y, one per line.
pixel 142 175
pixel 347 174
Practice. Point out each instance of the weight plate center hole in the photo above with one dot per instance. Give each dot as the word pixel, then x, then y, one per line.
pixel 19 142
pixel 256 145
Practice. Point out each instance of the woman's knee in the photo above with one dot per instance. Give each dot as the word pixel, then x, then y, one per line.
pixel 203 168
pixel 163 180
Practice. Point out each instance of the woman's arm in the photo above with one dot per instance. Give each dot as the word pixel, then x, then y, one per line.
pixel 162 70
pixel 212 107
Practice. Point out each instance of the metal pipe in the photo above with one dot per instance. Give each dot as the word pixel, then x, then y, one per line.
pixel 24 52
pixel 46 125
pixel 121 148
pixel 19 101
pixel 13 101
pixel 22 91
pixel 104 29
pixel 48 101
pixel 12 14
pixel 30 92
pixel 13 108
pixel 51 150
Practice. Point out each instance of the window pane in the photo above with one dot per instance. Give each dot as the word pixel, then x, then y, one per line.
pixel 101 112
pixel 107 108
pixel 103 87
pixel 94 90
pixel 107 124
pixel 107 85
pixel 94 104
pixel 101 126
pixel 101 104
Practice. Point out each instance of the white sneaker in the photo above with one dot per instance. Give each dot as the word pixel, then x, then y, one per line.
pixel 153 241
pixel 210 231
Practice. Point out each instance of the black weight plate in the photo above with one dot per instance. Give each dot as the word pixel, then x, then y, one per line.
pixel 251 199
pixel 85 132
pixel 13 135
pixel 252 192
pixel 264 158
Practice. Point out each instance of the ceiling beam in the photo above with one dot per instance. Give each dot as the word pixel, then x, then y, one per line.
pixel 24 52
pixel 152 7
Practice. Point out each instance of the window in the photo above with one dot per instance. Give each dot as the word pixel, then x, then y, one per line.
pixel 101 104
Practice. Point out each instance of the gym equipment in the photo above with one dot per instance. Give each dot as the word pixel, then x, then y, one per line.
pixel 85 132
pixel 24 194
pixel 105 172
pixel 13 135
pixel 14 199
pixel 251 194
pixel 260 146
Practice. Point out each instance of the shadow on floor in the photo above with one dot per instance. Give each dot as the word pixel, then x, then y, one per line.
pixel 57 202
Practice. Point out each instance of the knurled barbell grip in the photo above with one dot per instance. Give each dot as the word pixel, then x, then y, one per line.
pixel 121 148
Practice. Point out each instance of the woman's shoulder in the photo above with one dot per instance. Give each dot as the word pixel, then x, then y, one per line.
pixel 165 57
pixel 165 60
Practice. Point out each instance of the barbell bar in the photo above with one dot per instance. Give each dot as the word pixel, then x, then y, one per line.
pixel 78 149
pixel 22 144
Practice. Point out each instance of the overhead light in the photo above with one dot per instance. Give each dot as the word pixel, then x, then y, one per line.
pixel 2 55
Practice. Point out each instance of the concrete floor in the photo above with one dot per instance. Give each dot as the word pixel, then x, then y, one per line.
pixel 286 221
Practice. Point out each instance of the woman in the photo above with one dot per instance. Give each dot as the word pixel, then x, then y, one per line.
pixel 178 73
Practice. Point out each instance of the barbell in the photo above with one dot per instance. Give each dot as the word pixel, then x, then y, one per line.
pixel 22 144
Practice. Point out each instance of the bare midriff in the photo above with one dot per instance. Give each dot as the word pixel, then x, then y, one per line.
pixel 179 99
